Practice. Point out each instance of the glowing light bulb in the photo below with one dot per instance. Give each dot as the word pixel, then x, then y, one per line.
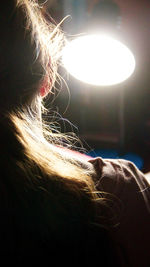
pixel 98 60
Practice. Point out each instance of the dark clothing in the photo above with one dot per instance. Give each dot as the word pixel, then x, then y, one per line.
pixel 131 236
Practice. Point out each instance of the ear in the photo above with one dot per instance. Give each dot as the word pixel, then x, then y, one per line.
pixel 45 87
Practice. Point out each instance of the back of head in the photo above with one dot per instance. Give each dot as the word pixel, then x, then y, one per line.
pixel 28 52
pixel 18 73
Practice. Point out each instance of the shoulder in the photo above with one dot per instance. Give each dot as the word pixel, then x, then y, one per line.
pixel 122 178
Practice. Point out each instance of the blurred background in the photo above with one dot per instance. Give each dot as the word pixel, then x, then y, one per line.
pixel 112 121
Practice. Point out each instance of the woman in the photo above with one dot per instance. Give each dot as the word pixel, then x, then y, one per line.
pixel 55 207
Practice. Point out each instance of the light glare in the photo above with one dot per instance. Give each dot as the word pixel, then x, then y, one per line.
pixel 98 60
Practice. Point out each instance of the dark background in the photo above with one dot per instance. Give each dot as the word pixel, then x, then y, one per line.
pixel 115 117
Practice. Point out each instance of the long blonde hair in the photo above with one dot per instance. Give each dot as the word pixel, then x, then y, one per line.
pixel 50 39
pixel 49 189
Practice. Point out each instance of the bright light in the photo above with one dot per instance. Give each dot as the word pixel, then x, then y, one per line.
pixel 98 60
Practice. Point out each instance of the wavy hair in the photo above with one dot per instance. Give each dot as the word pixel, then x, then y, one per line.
pixel 46 195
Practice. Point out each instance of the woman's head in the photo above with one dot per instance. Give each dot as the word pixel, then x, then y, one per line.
pixel 29 49
pixel 46 197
